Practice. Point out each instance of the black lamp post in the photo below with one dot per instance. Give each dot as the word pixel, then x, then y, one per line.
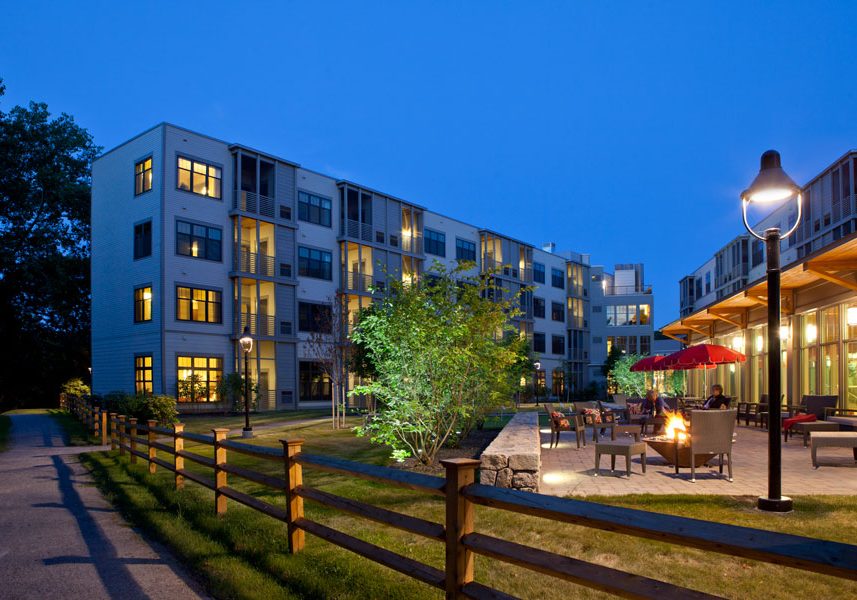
pixel 538 367
pixel 247 345
pixel 773 185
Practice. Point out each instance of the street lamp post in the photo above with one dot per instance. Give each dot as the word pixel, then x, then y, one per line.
pixel 247 346
pixel 773 185
pixel 538 367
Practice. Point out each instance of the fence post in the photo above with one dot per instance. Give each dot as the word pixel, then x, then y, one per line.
pixel 133 439
pixel 294 503
pixel 219 474
pixel 152 452
pixel 460 472
pixel 103 426
pixel 121 435
pixel 178 446
pixel 112 421
pixel 96 422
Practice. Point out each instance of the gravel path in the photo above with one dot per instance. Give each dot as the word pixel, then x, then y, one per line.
pixel 59 537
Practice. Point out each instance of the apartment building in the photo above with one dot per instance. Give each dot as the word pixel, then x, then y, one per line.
pixel 195 239
pixel 819 306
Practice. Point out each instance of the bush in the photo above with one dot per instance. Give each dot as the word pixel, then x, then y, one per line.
pixel 161 408
pixel 75 387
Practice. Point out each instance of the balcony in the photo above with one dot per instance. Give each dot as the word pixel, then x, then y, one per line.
pixel 412 244
pixel 626 290
pixel 254 203
pixel 356 230
pixel 254 263
pixel 259 324
pixel 357 282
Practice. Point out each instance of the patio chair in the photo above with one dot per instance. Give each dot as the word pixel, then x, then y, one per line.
pixel 748 411
pixel 571 422
pixel 620 399
pixel 711 432
pixel 816 405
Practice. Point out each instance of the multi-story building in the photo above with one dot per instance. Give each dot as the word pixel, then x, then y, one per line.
pixel 819 306
pixel 195 239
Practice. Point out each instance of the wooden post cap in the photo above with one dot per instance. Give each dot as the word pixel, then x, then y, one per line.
pixel 223 430
pixel 292 443
pixel 460 463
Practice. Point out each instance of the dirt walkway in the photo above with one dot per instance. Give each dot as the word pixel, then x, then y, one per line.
pixel 59 537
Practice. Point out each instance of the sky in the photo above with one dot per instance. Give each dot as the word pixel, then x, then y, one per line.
pixel 624 130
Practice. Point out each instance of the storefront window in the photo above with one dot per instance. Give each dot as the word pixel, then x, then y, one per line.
pixel 809 329
pixel 830 325
pixel 830 370
pixel 809 370
pixel 851 368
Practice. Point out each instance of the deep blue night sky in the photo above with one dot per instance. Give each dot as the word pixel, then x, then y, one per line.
pixel 625 130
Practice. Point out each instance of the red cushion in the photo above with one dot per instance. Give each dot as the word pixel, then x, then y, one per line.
pixel 788 423
pixel 557 415
pixel 594 412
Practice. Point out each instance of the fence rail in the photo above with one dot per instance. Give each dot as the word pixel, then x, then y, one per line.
pixel 461 495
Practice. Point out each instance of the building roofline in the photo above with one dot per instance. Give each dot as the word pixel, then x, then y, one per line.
pixel 374 191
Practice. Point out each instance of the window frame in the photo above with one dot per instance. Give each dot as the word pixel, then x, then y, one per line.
pixel 321 251
pixel 314 370
pixel 555 278
pixel 561 312
pixel 138 380
pixel 193 172
pixel 210 385
pixel 321 210
pixel 459 249
pixel 207 240
pixel 554 339
pixel 543 344
pixel 135 245
pixel 428 242
pixel 208 303
pixel 141 175
pixel 142 301
pixel 539 268
pixel 316 307
pixel 543 305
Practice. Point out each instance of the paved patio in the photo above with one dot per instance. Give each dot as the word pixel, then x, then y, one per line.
pixel 566 470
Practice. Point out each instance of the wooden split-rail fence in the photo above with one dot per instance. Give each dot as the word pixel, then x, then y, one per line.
pixel 458 533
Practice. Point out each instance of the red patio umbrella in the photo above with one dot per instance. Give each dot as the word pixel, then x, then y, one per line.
pixel 649 363
pixel 702 356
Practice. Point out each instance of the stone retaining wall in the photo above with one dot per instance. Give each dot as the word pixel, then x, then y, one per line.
pixel 513 459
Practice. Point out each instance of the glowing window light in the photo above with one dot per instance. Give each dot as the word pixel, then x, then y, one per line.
pixel 851 316
pixel 811 333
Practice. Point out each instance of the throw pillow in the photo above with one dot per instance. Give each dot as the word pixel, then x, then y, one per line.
pixel 596 414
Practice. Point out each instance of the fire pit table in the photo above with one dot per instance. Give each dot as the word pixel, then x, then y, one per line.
pixel 676 452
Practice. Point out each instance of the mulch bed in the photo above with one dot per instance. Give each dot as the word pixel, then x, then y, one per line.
pixel 470 447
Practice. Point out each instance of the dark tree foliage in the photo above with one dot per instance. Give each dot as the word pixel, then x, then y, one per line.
pixel 45 168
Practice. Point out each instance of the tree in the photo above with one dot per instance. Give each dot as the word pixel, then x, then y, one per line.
pixel 45 166
pixel 328 345
pixel 444 354
pixel 626 380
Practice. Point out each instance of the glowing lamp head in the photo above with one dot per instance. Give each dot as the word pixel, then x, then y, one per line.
pixel 246 341
pixel 772 184
pixel 537 366
pixel 784 332
pixel 851 316
pixel 810 333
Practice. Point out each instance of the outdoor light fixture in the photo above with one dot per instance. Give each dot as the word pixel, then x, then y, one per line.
pixel 773 185
pixel 738 343
pixel 760 343
pixel 851 316
pixel 537 366
pixel 810 333
pixel 247 346
pixel 784 332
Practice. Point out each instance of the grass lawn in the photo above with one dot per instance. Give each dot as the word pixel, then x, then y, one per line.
pixel 244 554
pixel 205 423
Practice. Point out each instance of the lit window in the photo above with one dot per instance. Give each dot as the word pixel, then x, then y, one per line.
pixel 193 304
pixel 198 177
pixel 142 304
pixel 197 378
pixel 143 176
pixel 143 374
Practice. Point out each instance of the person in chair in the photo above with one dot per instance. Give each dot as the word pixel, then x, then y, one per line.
pixel 716 399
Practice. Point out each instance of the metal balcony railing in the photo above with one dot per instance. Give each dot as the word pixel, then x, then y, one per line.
pixel 253 262
pixel 357 282
pixel 252 202
pixel 258 324
pixel 356 229
pixel 626 290
pixel 412 244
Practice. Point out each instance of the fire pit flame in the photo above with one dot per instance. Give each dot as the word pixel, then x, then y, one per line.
pixel 675 428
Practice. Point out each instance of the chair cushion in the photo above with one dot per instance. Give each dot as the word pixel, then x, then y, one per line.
pixel 635 408
pixel 557 415
pixel 596 414
pixel 789 423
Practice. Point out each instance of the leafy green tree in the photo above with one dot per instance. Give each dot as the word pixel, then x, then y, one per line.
pixel 607 368
pixel 45 168
pixel 626 380
pixel 444 354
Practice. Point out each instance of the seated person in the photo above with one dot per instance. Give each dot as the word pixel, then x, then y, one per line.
pixel 716 399
pixel 654 406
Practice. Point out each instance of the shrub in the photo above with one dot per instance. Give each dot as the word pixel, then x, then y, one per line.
pixel 231 389
pixel 161 408
pixel 75 387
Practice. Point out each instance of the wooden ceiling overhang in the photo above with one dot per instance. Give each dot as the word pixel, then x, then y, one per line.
pixel 836 265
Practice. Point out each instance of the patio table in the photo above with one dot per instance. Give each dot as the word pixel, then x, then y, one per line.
pixel 806 428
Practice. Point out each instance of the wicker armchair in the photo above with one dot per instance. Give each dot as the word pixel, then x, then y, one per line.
pixel 711 432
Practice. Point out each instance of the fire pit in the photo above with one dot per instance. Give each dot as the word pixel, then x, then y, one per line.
pixel 674 445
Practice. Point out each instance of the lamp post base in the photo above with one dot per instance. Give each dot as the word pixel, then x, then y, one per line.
pixel 247 432
pixel 782 504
